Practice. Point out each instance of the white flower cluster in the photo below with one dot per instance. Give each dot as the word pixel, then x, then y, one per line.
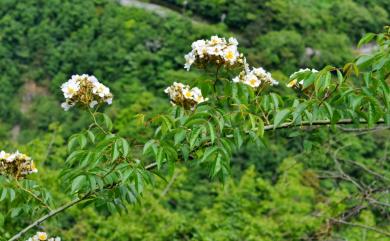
pixel 216 50
pixel 85 90
pixel 294 83
pixel 183 95
pixel 42 236
pixel 255 77
pixel 16 164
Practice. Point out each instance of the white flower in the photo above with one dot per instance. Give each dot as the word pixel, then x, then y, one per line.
pixel 11 158
pixel 70 88
pixel 100 90
pixel 3 155
pixel 85 90
pixel 215 40
pixel 252 80
pixel 293 75
pixel 246 66
pixel 196 91
pixel 93 103
pixel 254 77
pixel 199 47
pixel 187 94
pixel 231 54
pixel 275 82
pixel 66 106
pixel 109 101
pixel 42 236
pixel 93 79
pixel 54 239
pixel 259 71
pixel 236 79
pixel 167 90
pixel 182 95
pixel 190 59
pixel 233 41
pixel 214 50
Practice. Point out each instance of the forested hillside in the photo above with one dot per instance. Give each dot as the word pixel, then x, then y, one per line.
pixel 294 185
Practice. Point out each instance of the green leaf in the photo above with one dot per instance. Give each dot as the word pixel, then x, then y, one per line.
pixel 160 157
pixel 180 136
pixel 275 100
pixel 115 151
pixel 15 212
pixel 260 128
pixel 365 61
pixel 340 77
pixel 237 137
pixel 11 194
pixel 148 145
pixel 185 150
pixel 329 110
pixel 211 132
pixel 72 142
pixel 82 141
pixel 125 146
pixel 77 183
pixel 2 220
pixel 107 121
pixel 92 182
pixel 194 137
pixel 366 39
pixel 309 81
pixel 209 151
pixel 218 165
pixel 3 194
pixel 139 184
pixel 166 122
pixel 280 117
pixel 91 136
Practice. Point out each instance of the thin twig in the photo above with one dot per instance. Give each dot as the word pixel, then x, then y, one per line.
pixel 384 232
pixel 169 184
pixel 368 170
pixel 95 122
pixel 33 195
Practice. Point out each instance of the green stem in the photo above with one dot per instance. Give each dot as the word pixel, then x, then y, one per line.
pixel 95 122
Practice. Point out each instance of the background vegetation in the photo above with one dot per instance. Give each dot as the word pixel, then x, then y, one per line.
pixel 284 191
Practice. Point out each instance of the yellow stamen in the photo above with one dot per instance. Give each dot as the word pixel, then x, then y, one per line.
pixel 230 55
pixel 253 82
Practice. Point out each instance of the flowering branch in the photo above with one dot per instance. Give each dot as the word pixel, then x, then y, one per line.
pixel 204 128
pixel 153 165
